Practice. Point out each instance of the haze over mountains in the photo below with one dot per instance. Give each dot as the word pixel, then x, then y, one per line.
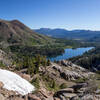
pixel 74 34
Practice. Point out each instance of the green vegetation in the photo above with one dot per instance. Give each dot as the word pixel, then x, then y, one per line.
pixel 2 65
pixel 26 46
pixel 22 41
pixel 50 50
pixel 89 59
pixel 48 62
pixel 47 50
pixel 81 80
pixel 50 83
pixel 32 63
pixel 35 82
pixel 63 85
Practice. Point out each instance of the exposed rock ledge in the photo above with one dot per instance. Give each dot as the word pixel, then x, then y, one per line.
pixel 63 70
pixel 70 71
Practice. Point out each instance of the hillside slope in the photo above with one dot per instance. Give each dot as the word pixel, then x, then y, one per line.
pixel 59 81
pixel 15 32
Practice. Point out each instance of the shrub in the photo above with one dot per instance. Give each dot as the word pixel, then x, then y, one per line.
pixel 35 82
pixel 63 85
pixel 80 80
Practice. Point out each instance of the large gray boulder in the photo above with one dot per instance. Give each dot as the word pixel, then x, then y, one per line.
pixel 70 71
pixel 65 94
pixel 2 97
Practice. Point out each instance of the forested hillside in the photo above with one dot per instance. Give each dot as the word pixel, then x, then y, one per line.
pixel 90 60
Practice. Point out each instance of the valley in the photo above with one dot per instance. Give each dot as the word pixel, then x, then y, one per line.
pixel 49 50
pixel 24 56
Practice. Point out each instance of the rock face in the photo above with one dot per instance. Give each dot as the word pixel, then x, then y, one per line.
pixel 1 85
pixel 90 97
pixel 63 93
pixel 2 97
pixel 33 97
pixel 70 71
pixel 4 58
pixel 80 94
pixel 61 72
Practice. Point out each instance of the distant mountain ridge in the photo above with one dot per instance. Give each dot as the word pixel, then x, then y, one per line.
pixel 74 34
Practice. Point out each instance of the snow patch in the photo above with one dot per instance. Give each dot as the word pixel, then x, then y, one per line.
pixel 14 82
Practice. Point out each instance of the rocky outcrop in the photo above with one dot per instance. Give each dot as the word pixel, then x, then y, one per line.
pixel 25 76
pixel 1 85
pixel 70 71
pixel 63 94
pixel 2 97
pixel 5 59
pixel 77 92
pixel 66 94
pixel 33 97
pixel 61 72
pixel 90 97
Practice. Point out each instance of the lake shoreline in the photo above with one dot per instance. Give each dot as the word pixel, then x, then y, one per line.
pixel 70 53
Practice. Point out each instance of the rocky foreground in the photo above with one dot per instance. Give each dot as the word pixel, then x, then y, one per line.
pixel 62 72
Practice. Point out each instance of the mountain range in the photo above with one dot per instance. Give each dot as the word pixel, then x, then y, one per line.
pixel 73 34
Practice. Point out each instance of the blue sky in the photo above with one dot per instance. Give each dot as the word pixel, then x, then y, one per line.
pixel 69 14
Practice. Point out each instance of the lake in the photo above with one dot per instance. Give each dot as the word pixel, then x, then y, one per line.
pixel 69 53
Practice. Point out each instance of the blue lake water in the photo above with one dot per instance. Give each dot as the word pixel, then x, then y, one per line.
pixel 69 53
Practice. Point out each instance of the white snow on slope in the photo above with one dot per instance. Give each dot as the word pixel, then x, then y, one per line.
pixel 14 82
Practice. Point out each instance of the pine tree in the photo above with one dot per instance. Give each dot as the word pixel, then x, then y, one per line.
pixel 44 61
pixel 48 62
pixel 37 63
pixel 53 84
